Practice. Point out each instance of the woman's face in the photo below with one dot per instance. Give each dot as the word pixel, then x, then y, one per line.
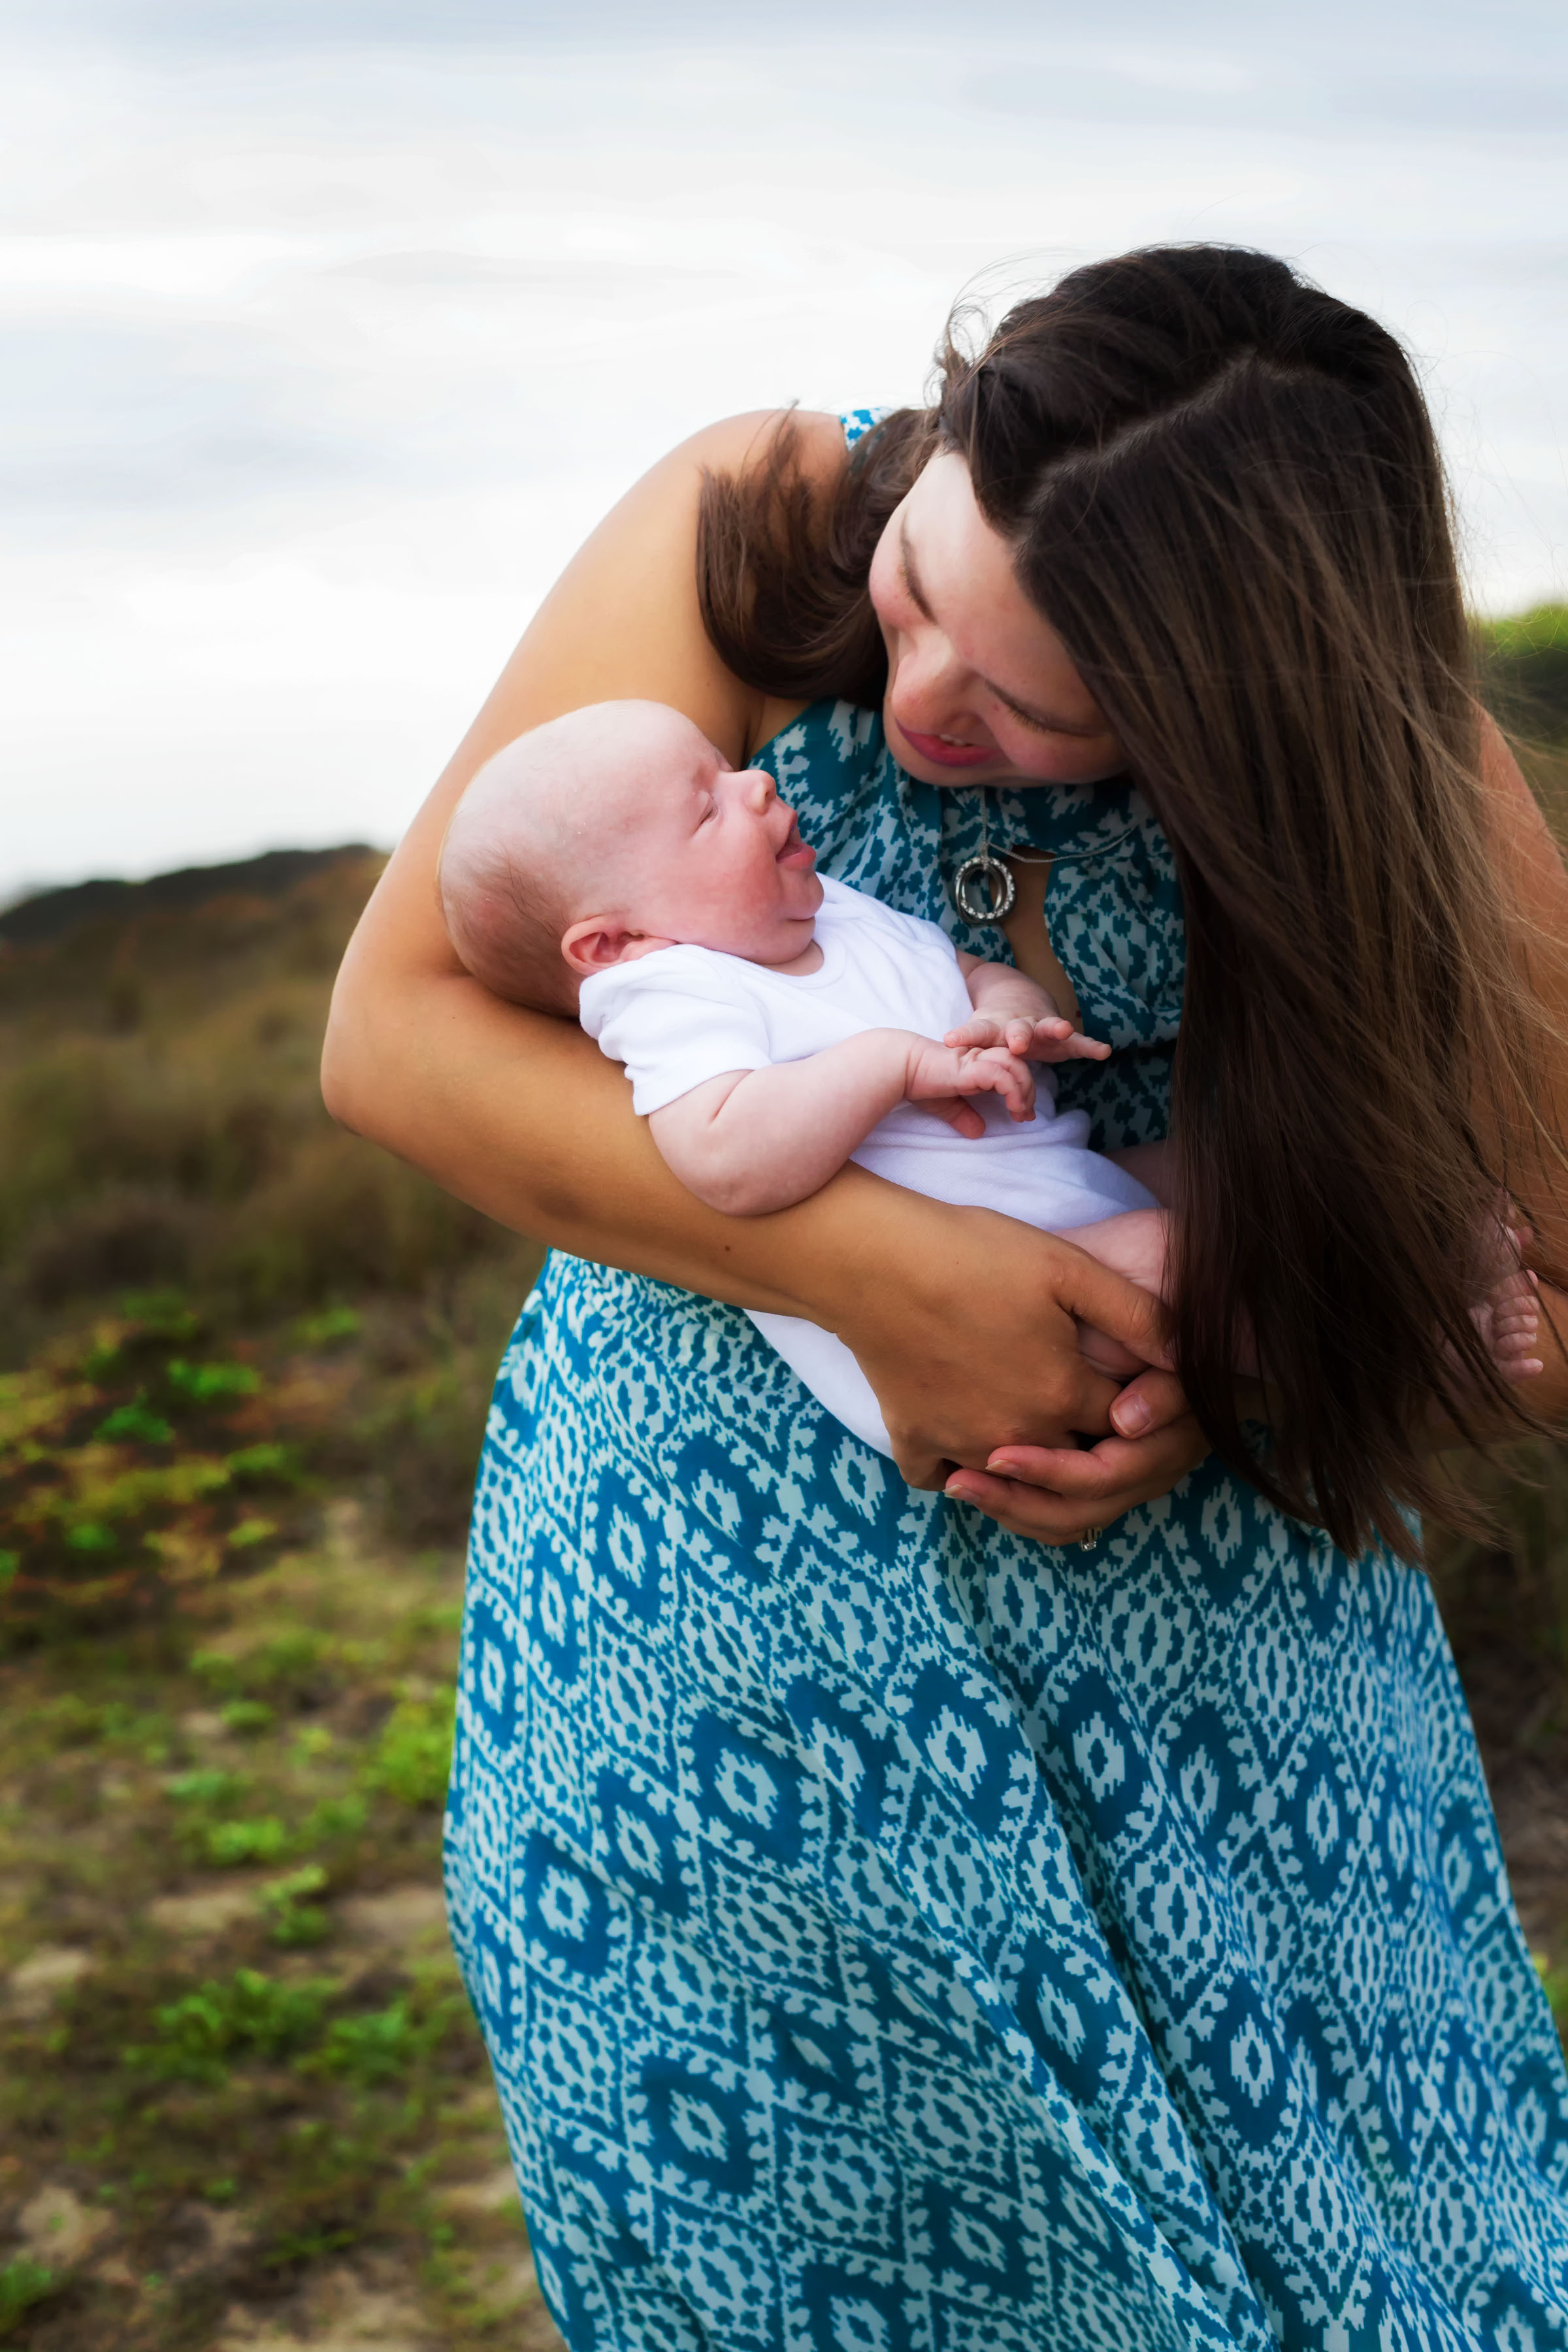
pixel 980 689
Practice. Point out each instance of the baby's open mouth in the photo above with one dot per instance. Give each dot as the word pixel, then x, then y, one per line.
pixel 794 849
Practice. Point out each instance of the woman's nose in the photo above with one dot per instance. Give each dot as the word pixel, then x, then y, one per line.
pixel 930 686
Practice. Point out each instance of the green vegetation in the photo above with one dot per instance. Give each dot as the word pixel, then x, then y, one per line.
pixel 22 2284
pixel 229 1989
pixel 1524 663
pixel 243 1379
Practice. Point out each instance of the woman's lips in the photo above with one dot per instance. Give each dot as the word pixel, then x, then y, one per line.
pixel 943 754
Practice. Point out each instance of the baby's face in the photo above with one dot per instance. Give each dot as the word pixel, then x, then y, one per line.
pixel 707 855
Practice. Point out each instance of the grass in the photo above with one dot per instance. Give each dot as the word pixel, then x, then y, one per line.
pixel 243 1364
pixel 243 1380
pixel 259 2072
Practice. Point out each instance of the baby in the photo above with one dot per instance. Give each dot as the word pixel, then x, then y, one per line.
pixel 609 865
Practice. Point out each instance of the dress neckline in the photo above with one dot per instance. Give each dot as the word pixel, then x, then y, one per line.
pixel 1061 820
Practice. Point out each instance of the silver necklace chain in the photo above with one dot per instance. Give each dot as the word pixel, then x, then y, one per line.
pixel 984 891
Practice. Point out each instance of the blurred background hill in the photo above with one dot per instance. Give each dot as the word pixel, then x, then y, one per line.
pixel 160 1126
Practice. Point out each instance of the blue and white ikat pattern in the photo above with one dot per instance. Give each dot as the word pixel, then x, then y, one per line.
pixel 893 1937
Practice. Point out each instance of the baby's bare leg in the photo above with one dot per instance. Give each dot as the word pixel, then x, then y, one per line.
pixel 1135 1245
pixel 1137 1242
pixel 1153 1165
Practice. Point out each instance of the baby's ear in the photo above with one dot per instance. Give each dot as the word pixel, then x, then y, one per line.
pixel 596 943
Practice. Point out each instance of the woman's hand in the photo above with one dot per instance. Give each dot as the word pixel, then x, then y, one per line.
pixel 970 1340
pixel 1059 1495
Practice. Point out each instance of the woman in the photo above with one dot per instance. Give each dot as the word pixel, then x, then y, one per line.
pixel 890 1928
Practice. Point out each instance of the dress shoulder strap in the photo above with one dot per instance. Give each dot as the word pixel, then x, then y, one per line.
pixel 857 423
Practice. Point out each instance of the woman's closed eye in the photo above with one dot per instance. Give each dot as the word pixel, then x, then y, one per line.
pixel 1028 719
pixel 1042 724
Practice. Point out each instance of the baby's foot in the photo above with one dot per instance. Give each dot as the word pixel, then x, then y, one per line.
pixel 1507 1313
pixel 1509 1321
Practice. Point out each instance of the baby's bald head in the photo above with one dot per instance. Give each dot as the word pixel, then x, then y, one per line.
pixel 540 838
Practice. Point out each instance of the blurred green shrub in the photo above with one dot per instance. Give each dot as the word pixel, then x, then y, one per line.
pixel 295 1920
pixel 201 2035
pixel 161 1122
pixel 413 1758
pixel 1524 669
pixel 23 2284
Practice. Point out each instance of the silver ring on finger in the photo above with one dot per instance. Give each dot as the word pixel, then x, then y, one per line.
pixel 1089 1537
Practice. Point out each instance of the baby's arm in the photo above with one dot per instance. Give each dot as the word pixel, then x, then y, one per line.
pixel 752 1140
pixel 1013 1010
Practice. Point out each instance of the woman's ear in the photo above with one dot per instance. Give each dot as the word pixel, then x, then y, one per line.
pixel 597 942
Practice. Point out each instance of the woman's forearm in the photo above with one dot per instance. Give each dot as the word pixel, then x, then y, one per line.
pixel 523 1118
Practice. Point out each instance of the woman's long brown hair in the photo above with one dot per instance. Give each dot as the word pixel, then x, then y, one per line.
pixel 1224 493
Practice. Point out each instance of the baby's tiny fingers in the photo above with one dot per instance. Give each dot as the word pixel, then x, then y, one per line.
pixel 1013 1080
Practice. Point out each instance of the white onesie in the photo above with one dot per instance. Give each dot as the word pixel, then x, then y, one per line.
pixel 684 1015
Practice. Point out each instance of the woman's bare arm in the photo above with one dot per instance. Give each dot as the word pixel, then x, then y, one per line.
pixel 1531 866
pixel 962 1321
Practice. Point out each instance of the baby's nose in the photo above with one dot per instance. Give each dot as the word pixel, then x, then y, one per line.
pixel 761 789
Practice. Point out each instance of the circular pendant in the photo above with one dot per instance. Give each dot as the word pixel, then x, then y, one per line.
pixel 984 891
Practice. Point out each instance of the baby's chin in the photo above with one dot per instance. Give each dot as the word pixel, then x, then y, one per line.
pixel 778 945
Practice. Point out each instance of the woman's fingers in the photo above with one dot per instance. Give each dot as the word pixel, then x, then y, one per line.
pixel 929 1446
pixel 1129 1312
pixel 1155 1400
pixel 1058 1495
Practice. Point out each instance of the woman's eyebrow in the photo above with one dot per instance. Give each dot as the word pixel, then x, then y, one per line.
pixel 917 597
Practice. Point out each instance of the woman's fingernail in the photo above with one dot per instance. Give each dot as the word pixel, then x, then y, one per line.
pixel 1130 1415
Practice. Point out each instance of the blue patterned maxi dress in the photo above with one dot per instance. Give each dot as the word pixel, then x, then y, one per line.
pixel 892 1936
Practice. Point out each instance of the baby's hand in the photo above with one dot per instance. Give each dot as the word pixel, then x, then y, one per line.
pixel 1052 1039
pixel 939 1077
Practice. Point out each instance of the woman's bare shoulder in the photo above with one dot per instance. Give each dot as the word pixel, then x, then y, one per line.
pixel 735 443
pixel 622 622
pixel 1516 814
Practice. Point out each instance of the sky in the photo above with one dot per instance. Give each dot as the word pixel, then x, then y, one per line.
pixel 329 328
